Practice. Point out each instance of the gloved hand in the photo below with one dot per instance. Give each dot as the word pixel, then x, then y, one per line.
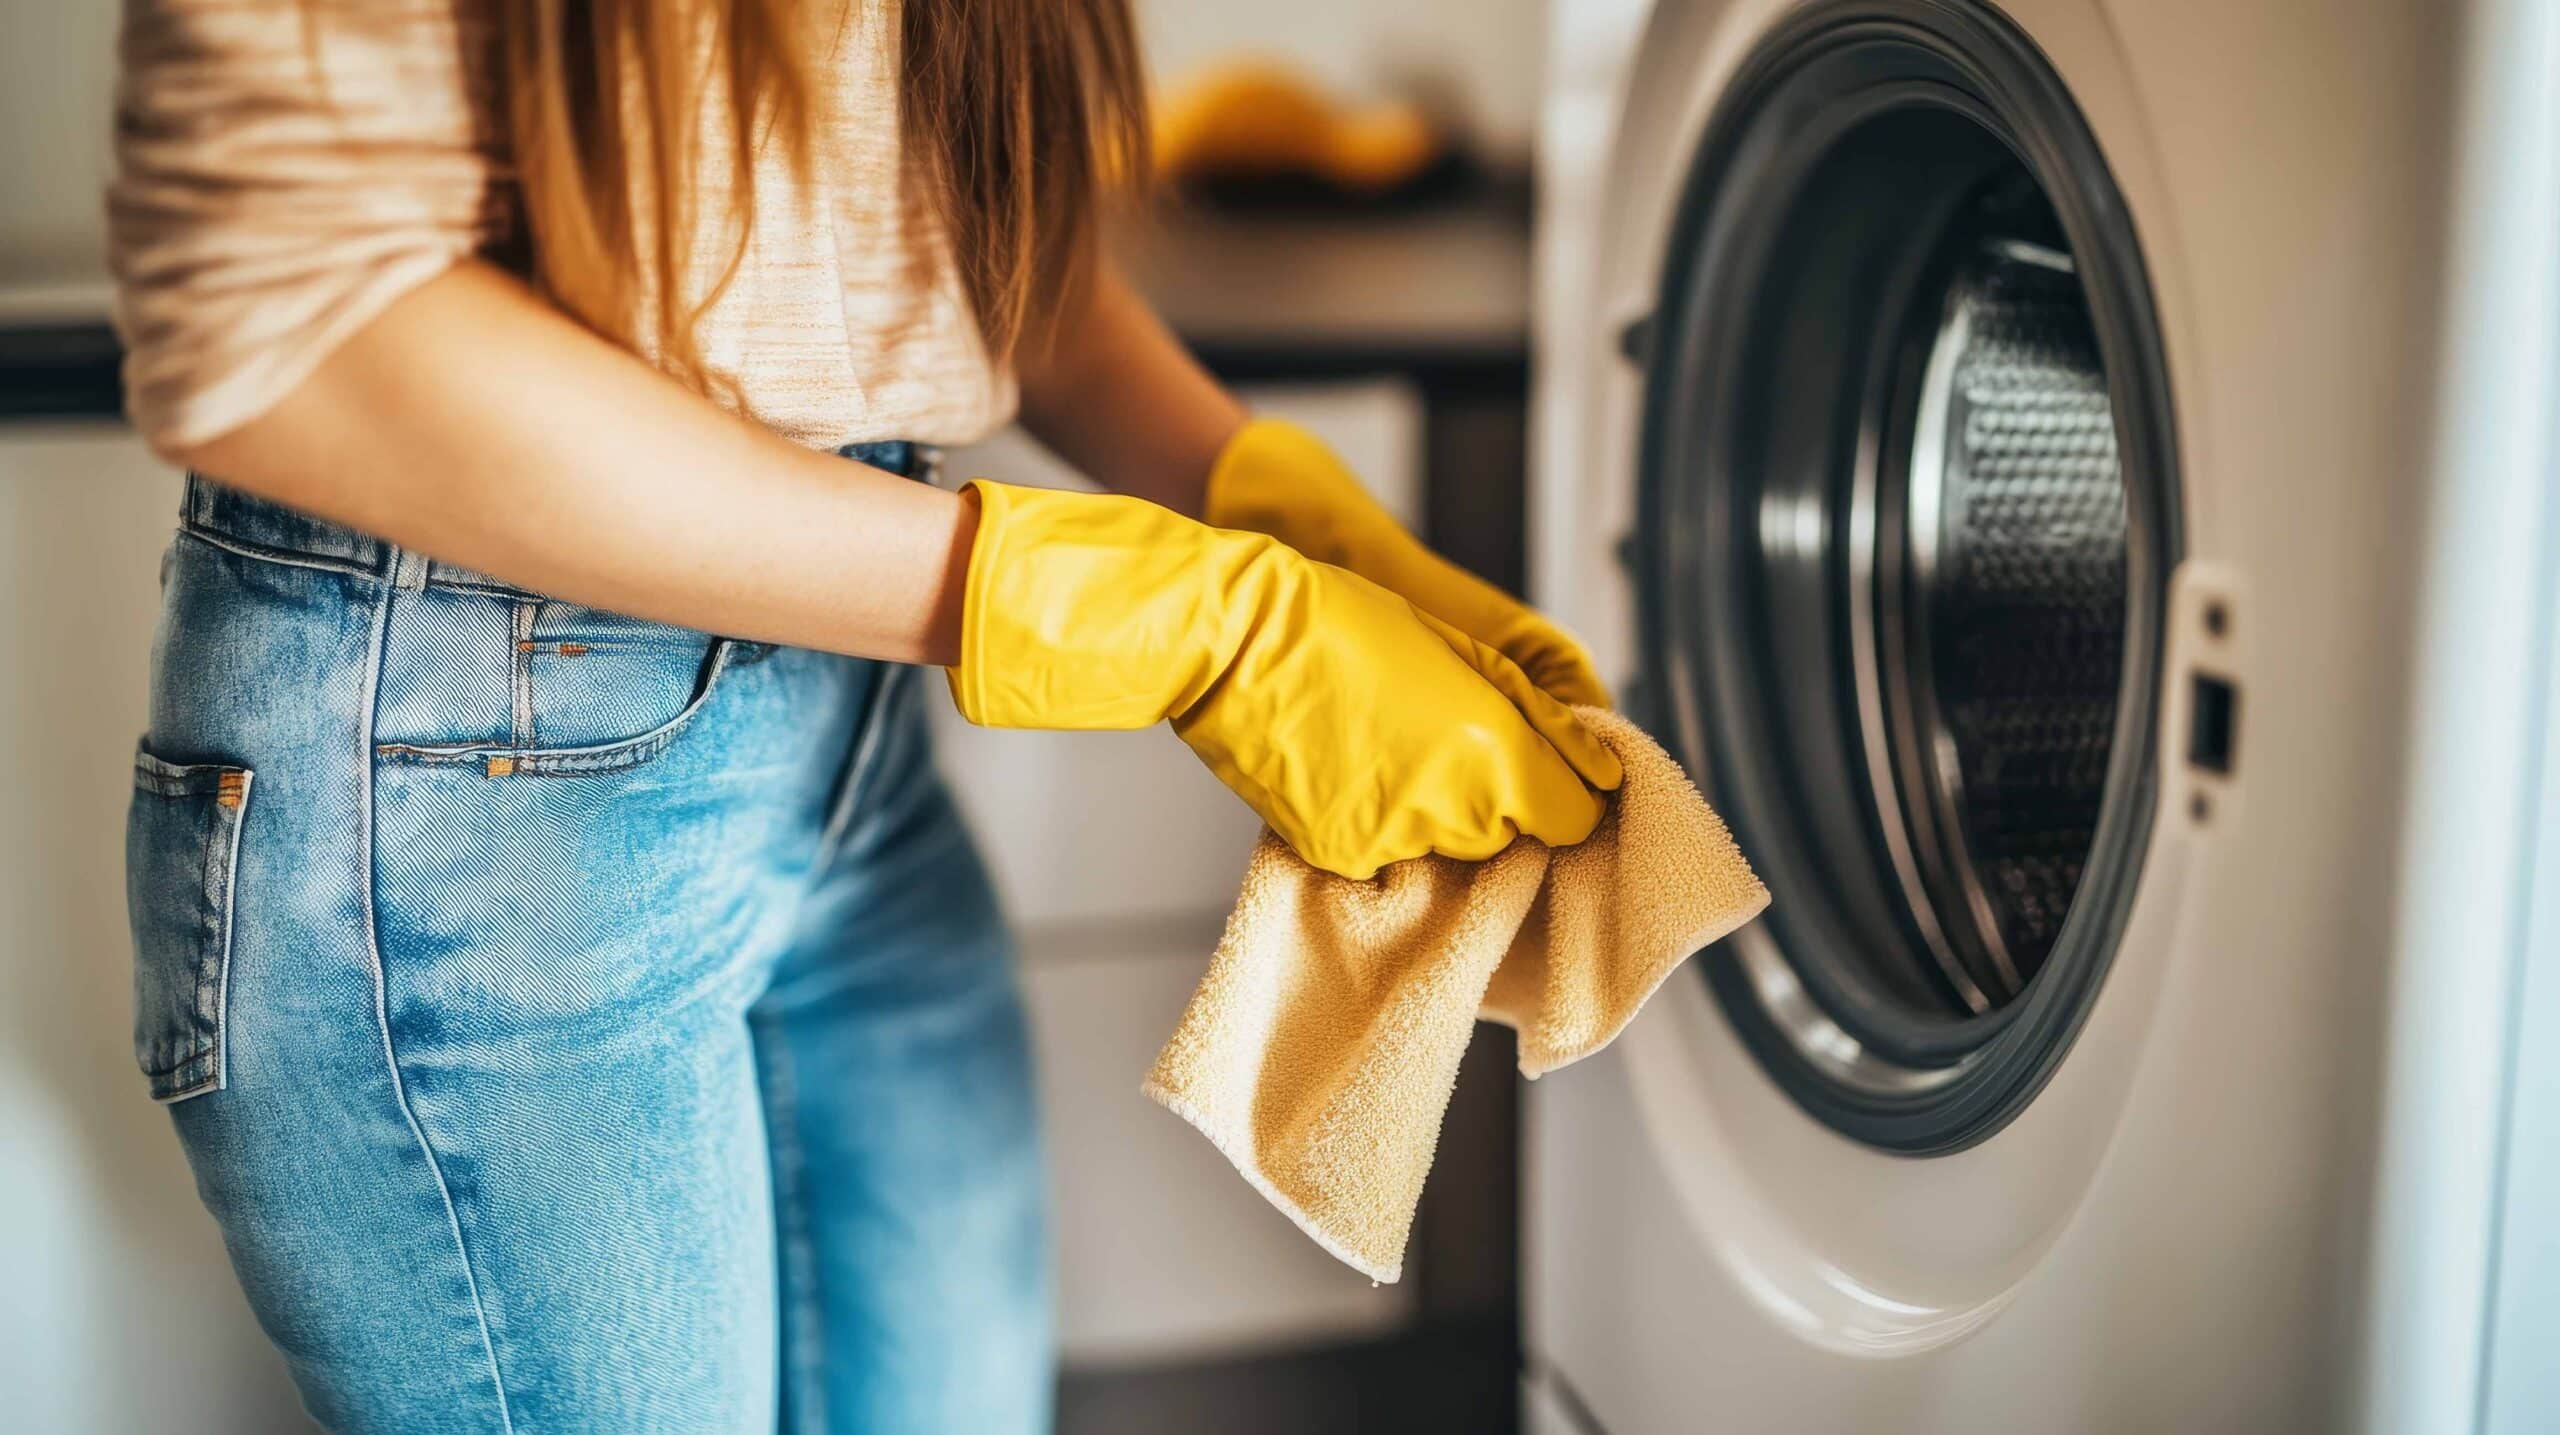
pixel 1363 731
pixel 1277 478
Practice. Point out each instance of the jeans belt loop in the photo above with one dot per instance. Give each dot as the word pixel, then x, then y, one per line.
pixel 408 570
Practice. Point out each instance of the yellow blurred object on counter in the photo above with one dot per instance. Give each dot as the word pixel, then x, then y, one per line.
pixel 1254 119
pixel 1364 732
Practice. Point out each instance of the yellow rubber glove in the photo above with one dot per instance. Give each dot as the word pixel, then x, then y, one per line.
pixel 1277 478
pixel 1363 731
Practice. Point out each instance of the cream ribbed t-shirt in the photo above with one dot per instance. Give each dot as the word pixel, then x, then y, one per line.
pixel 265 208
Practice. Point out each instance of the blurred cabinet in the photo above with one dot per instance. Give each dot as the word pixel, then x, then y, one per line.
pixel 1113 826
pixel 1117 857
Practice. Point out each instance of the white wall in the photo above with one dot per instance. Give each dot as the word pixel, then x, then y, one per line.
pixel 56 74
pixel 117 1309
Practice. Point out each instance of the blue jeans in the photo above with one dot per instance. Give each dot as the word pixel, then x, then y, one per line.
pixel 576 1023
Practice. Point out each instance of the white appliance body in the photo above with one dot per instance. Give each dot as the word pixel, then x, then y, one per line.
pixel 2263 1188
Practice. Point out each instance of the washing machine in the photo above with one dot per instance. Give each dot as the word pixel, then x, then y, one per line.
pixel 2073 480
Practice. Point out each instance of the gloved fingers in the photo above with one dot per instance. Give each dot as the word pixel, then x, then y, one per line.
pixel 1496 779
pixel 1547 653
pixel 1551 657
pixel 1276 478
pixel 1557 664
pixel 1550 800
pixel 1577 744
pixel 1460 772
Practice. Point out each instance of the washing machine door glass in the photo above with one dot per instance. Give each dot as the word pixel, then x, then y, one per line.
pixel 1908 512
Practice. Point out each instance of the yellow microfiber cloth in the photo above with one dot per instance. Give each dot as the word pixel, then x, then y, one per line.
pixel 1322 1045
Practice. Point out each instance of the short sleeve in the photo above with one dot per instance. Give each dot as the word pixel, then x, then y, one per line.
pixel 284 172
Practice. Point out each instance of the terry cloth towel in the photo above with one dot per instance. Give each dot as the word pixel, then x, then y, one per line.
pixel 1322 1045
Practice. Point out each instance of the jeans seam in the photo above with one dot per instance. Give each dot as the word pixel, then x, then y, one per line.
pixel 877 714
pixel 795 1254
pixel 212 900
pixel 290 558
pixel 230 927
pixel 382 994
pixel 520 685
pixel 331 563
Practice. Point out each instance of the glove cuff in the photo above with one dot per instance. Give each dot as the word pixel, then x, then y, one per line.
pixel 1096 611
pixel 968 676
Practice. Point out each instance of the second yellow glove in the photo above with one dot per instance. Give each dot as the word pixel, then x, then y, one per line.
pixel 1275 477
pixel 1363 731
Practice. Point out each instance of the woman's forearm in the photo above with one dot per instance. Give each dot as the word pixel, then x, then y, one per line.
pixel 1117 396
pixel 476 424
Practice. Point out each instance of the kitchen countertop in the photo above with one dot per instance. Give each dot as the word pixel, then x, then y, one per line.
pixel 1439 293
pixel 1423 288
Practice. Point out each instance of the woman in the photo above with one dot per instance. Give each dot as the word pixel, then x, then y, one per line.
pixel 578 1021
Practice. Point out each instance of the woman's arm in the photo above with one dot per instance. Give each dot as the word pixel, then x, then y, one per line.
pixel 1118 397
pixel 475 423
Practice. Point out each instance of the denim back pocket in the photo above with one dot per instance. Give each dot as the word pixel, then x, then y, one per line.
pixel 181 855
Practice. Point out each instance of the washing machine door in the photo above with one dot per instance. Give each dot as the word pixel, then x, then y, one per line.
pixel 1893 461
pixel 1907 511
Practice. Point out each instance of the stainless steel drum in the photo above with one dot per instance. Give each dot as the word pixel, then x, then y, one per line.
pixel 1994 683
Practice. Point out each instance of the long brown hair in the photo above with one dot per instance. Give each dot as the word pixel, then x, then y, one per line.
pixel 1014 116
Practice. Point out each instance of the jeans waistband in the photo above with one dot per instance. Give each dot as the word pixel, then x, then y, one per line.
pixel 258 527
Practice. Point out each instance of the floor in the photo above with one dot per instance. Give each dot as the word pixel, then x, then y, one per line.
pixel 1450 1380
